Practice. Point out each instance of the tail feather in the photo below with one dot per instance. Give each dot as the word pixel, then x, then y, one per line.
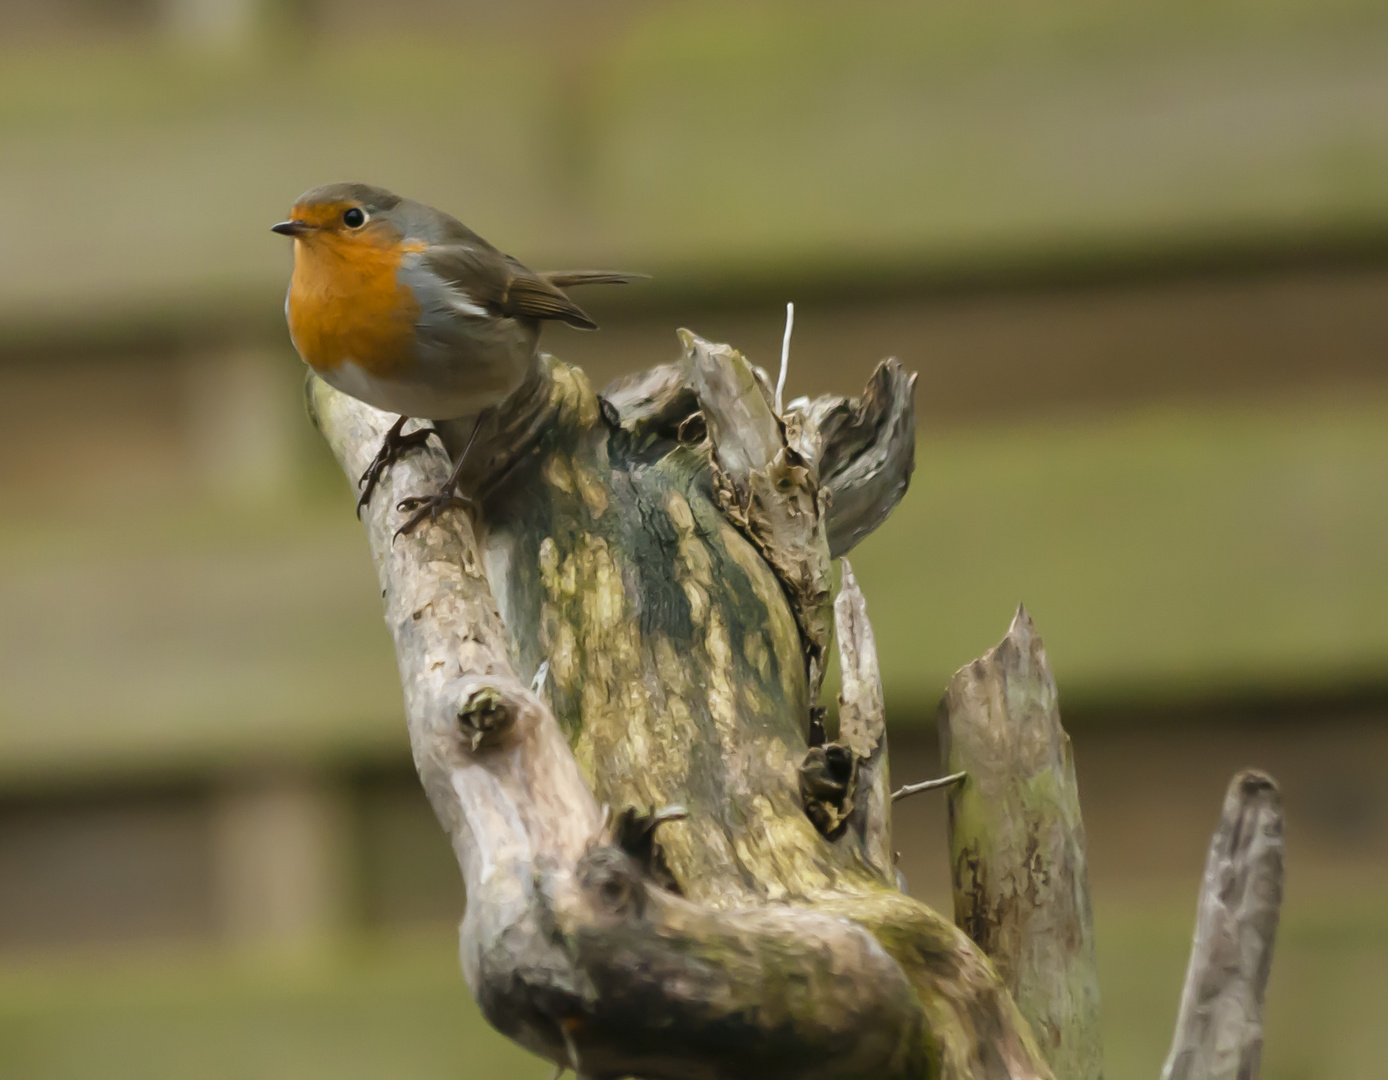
pixel 564 278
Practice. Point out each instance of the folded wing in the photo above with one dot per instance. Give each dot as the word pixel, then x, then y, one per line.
pixel 484 278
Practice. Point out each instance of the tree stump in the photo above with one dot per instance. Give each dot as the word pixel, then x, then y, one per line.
pixel 611 666
pixel 612 663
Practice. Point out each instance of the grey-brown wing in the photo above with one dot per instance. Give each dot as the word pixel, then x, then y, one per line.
pixel 533 295
pixel 567 278
pixel 478 274
pixel 482 276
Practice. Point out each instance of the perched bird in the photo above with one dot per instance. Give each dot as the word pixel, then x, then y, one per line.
pixel 409 310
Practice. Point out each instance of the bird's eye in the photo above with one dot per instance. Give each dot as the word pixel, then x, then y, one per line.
pixel 354 218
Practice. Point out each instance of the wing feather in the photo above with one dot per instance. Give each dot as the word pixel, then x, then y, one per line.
pixel 502 285
pixel 533 296
pixel 567 278
pixel 485 279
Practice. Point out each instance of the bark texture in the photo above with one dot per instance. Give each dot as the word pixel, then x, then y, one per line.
pixel 1219 1028
pixel 658 556
pixel 1021 883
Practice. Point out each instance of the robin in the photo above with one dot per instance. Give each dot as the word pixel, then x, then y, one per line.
pixel 409 310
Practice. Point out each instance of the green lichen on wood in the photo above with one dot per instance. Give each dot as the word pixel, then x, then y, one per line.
pixel 675 661
pixel 676 668
pixel 1021 888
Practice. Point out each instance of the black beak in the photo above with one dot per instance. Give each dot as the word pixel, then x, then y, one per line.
pixel 292 228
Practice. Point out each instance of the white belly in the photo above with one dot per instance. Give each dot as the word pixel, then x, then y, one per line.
pixel 446 400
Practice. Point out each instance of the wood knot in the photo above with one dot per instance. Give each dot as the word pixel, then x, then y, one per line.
pixel 828 778
pixel 612 881
pixel 484 715
pixel 693 429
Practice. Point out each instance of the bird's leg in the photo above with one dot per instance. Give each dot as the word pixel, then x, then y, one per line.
pixel 392 446
pixel 420 507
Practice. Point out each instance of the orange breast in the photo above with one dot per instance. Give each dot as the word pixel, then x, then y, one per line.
pixel 346 304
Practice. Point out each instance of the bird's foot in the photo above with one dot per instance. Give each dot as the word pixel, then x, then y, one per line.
pixel 420 507
pixel 392 447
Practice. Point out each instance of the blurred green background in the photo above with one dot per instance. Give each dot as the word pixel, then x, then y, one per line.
pixel 1138 253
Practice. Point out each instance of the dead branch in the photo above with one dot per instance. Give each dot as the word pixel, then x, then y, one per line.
pixel 1219 1029
pixel 1021 883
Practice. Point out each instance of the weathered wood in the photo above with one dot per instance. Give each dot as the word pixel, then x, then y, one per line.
pixel 1021 888
pixel 658 401
pixel 676 677
pixel 765 487
pixel 863 724
pixel 1219 1028
pixel 863 451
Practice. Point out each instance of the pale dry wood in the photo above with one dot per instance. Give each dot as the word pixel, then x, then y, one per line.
pixel 1021 888
pixel 657 401
pixel 492 761
pixel 765 487
pixel 1219 1028
pixel 742 425
pixel 863 451
pixel 863 724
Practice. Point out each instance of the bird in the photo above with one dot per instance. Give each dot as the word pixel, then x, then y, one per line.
pixel 407 309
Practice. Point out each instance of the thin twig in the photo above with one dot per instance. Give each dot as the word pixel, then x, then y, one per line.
pixel 927 785
pixel 785 356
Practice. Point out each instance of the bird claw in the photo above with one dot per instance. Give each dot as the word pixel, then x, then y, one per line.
pixel 392 447
pixel 420 507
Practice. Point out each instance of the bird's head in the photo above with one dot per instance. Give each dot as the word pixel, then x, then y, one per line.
pixel 344 216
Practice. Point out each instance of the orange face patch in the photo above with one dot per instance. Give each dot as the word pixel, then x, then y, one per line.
pixel 346 303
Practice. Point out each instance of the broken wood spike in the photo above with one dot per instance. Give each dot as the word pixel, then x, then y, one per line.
pixel 863 723
pixel 1219 1026
pixel 1019 869
pixel 828 778
pixel 764 486
pixel 862 450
